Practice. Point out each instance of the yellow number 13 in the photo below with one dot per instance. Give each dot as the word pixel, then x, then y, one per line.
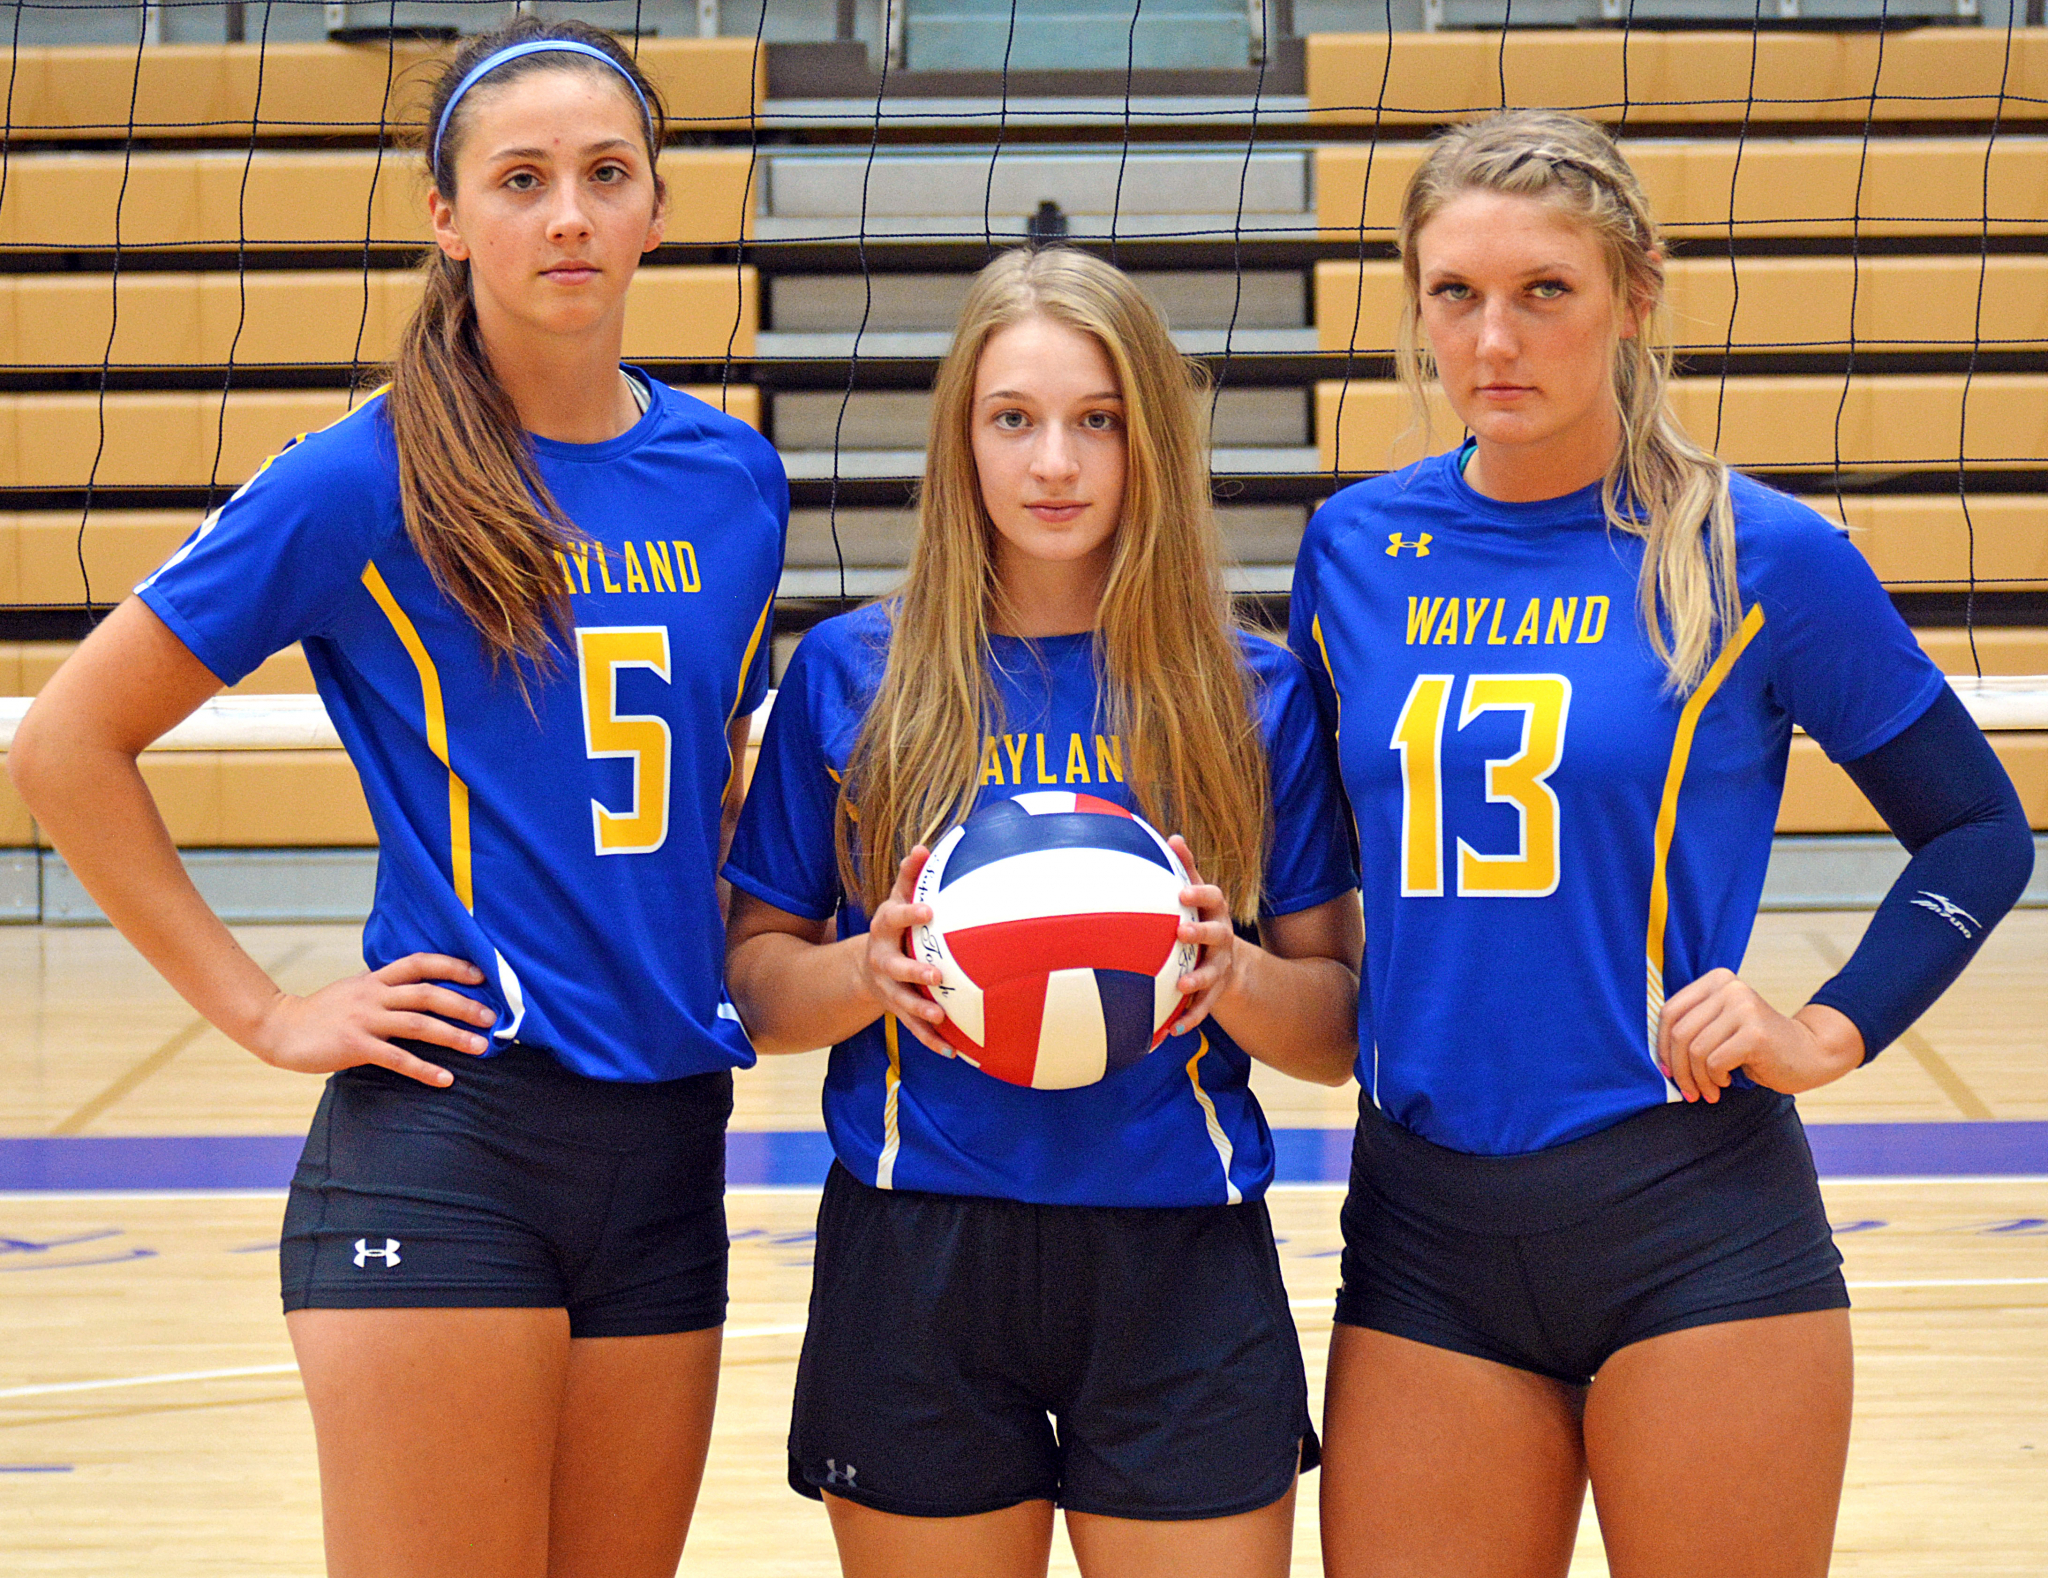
pixel 641 738
pixel 1520 780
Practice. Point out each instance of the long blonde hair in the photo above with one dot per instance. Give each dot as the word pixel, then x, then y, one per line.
pixel 1662 487
pixel 1173 678
pixel 476 506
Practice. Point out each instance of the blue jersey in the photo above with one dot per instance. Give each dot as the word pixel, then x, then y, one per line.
pixel 565 842
pixel 1551 841
pixel 1178 1127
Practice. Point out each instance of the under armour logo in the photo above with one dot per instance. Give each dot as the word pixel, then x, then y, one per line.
pixel 1949 911
pixel 835 1475
pixel 388 1254
pixel 1396 542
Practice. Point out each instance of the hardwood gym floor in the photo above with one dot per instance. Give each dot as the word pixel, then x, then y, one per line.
pixel 176 1469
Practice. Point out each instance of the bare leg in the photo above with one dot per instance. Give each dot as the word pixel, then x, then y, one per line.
pixel 1719 1450
pixel 436 1430
pixel 1249 1545
pixel 1440 1465
pixel 629 1453
pixel 1013 1543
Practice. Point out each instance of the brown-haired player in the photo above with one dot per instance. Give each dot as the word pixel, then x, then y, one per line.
pixel 533 588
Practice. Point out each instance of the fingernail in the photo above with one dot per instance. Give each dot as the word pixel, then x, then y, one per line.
pixel 477 1043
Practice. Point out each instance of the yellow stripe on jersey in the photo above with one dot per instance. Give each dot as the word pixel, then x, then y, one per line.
pixel 1224 1154
pixel 436 713
pixel 1315 626
pixel 1667 811
pixel 732 766
pixel 892 1141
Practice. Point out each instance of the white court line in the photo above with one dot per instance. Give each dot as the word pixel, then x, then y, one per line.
pixel 796 1329
pixel 1939 1178
pixel 54 1388
pixel 1956 1282
pixel 1326 1304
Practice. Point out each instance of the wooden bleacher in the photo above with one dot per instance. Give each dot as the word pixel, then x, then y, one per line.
pixel 297 208
pixel 313 317
pixel 66 93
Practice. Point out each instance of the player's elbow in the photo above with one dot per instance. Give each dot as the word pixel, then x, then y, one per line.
pixel 2013 855
pixel 1335 1070
pixel 33 757
pixel 756 1009
pixel 767 1043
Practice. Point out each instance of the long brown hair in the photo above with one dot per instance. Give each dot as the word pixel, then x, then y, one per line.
pixel 1173 678
pixel 476 507
pixel 1662 486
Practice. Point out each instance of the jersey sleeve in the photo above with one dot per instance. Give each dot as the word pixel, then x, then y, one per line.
pixel 1303 631
pixel 1311 860
pixel 1843 663
pixel 276 563
pixel 783 851
pixel 773 482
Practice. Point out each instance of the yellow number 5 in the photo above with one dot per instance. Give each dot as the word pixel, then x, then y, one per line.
pixel 1520 780
pixel 607 733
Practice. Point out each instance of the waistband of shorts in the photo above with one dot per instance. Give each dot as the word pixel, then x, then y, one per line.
pixel 842 1177
pixel 530 1087
pixel 1542 1191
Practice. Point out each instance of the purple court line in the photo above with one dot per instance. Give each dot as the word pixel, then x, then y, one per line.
pixel 786 1158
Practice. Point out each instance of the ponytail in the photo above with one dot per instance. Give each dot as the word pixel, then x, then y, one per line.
pixel 1662 486
pixel 476 507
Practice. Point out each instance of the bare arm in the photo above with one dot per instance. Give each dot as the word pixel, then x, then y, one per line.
pixel 796 989
pixel 73 762
pixel 1291 1001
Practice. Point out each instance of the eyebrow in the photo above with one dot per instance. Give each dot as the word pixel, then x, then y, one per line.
pixel 1019 394
pixel 1539 270
pixel 541 153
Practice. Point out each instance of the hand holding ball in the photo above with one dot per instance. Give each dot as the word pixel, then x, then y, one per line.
pixel 1055 921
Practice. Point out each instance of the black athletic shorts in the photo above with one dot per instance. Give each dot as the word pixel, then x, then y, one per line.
pixel 522 1185
pixel 945 1329
pixel 1689 1214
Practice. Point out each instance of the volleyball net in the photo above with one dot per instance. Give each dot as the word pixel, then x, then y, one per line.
pixel 208 247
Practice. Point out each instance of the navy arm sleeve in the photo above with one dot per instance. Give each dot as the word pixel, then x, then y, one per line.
pixel 1942 791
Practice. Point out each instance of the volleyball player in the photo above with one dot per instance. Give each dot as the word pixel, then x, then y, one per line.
pixel 1564 661
pixel 533 590
pixel 989 1255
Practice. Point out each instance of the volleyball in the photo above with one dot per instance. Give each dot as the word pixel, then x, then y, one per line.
pixel 1055 920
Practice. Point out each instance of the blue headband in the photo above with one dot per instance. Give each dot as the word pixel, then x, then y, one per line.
pixel 533 46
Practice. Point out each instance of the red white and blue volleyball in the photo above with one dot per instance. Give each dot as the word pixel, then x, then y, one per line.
pixel 1055 922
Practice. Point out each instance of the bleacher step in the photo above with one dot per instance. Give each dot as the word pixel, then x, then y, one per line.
pixel 893 186
pixel 809 465
pixel 930 344
pixel 820 420
pixel 1192 299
